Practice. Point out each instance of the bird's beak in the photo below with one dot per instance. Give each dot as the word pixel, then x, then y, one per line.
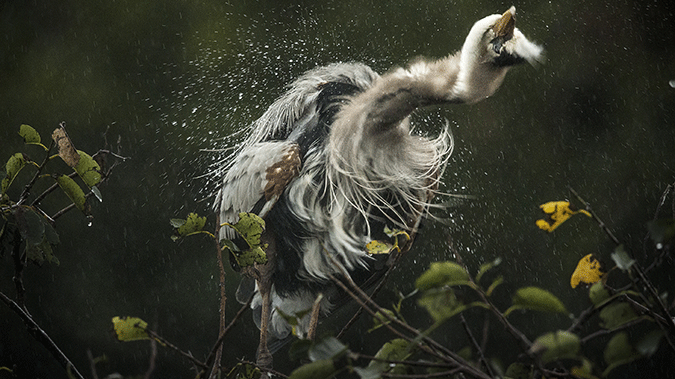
pixel 504 27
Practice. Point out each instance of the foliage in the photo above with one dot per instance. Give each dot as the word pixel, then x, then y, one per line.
pixel 25 214
pixel 558 353
pixel 28 229
pixel 622 296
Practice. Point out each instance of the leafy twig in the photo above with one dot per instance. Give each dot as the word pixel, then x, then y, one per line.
pixel 669 322
pixel 433 348
pixel 26 190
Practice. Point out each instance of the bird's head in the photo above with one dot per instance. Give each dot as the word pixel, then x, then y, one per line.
pixel 493 45
pixel 507 46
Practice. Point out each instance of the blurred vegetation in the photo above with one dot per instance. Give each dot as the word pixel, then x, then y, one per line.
pixel 159 81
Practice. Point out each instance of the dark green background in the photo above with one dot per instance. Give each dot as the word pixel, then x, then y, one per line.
pixel 162 80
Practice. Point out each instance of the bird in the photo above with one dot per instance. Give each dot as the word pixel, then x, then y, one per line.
pixel 333 161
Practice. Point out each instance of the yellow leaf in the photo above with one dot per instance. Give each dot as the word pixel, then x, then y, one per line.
pixel 378 247
pixel 588 271
pixel 557 212
pixel 130 328
pixel 584 371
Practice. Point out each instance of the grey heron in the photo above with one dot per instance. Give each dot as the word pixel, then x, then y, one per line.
pixel 333 161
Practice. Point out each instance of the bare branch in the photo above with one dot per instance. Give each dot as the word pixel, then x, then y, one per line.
pixel 41 336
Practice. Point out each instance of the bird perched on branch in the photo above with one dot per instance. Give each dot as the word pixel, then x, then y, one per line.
pixel 333 161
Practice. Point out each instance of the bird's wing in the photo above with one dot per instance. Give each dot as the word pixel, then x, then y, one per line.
pixel 256 180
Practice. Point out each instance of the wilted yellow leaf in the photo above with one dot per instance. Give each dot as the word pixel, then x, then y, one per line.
pixel 588 271
pixel 130 328
pixel 66 150
pixel 557 212
pixel 379 247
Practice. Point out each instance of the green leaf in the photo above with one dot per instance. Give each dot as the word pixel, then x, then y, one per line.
pixel 299 349
pixel 585 371
pixel 485 267
pixel 294 319
pixel 130 328
pixel 74 192
pixel 30 224
pixel 598 293
pixel 322 369
pixel 177 222
pixel 243 371
pixel 30 135
pixel 252 256
pixel 380 319
pixel 536 299
pixel 494 285
pixel 558 345
pixel 619 352
pixel 38 234
pixel 616 314
pixel 97 193
pixel 394 350
pixel 88 169
pixel 649 344
pixel 41 252
pixel 250 226
pixel 518 370
pixel 193 224
pixel 442 274
pixel 329 348
pixel 14 164
pixel 441 303
pixel 229 245
pixel 621 258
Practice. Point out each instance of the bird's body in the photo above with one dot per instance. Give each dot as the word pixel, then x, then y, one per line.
pixel 333 161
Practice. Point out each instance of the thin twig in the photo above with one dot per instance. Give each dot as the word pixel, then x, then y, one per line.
pixel 597 219
pixel 26 190
pixel 222 305
pixel 212 355
pixel 517 334
pixel 433 348
pixel 92 364
pixel 173 347
pixel 152 360
pixel 669 323
pixel 418 363
pixel 269 370
pixel 19 259
pixel 49 190
pixel 603 332
pixel 393 261
pixel 41 336
pixel 481 356
pixel 441 374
